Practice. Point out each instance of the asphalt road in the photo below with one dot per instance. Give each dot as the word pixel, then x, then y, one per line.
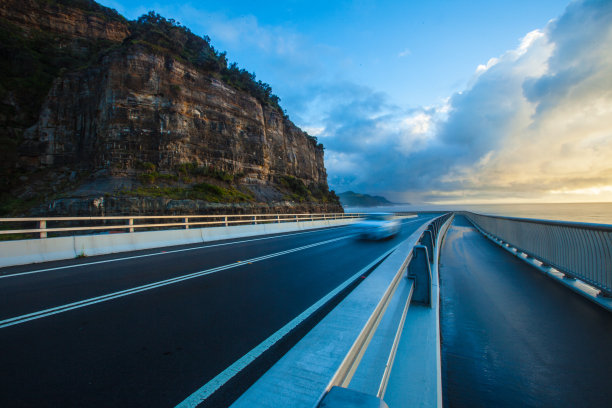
pixel 512 337
pixel 149 328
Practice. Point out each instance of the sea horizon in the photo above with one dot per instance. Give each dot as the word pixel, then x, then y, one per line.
pixel 594 213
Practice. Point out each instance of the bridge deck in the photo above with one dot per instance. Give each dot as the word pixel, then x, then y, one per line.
pixel 513 337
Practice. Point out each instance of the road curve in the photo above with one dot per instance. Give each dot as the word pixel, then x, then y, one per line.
pixel 151 327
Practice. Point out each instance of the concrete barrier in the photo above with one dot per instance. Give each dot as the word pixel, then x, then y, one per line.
pixel 52 249
pixel 351 346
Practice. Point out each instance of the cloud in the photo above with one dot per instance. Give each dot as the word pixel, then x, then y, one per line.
pixel 534 124
pixel 484 67
pixel 404 53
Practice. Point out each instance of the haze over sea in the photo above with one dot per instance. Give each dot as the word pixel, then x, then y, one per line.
pixel 597 213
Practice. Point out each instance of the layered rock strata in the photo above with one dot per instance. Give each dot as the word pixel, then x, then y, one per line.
pixel 125 128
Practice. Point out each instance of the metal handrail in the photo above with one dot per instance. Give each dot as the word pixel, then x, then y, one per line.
pixel 187 221
pixel 579 250
pixel 347 368
pixel 441 224
pixel 351 361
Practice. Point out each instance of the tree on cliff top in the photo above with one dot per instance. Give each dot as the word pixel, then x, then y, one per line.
pixel 168 36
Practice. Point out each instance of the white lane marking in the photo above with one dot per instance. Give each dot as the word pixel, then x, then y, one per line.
pixel 91 301
pixel 213 385
pixel 158 253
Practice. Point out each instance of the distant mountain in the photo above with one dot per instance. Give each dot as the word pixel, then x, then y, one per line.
pixel 352 199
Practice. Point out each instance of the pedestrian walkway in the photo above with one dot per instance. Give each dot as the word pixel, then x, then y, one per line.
pixel 511 337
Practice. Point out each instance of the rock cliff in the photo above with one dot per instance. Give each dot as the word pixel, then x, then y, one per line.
pixel 142 117
pixel 70 18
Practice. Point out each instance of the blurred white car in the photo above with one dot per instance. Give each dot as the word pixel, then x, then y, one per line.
pixel 378 226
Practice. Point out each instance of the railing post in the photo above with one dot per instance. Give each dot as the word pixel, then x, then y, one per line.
pixel 186 220
pixel 255 220
pixel 278 218
pixel 428 240
pixel 296 218
pixel 131 223
pixel 42 224
pixel 418 269
pixel 225 220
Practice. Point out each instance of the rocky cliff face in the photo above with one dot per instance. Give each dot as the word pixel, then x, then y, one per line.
pixel 155 132
pixel 139 107
pixel 84 19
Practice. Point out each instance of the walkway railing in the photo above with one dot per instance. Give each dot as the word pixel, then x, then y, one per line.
pixel 578 250
pixel 42 227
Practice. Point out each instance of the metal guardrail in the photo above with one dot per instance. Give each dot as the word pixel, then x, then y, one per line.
pixel 437 228
pixel 44 225
pixel 346 370
pixel 578 250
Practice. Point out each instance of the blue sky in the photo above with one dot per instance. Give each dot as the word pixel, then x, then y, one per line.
pixel 427 101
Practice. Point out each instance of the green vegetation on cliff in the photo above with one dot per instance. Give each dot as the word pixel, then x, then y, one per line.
pixel 169 37
pixel 300 193
pixel 202 191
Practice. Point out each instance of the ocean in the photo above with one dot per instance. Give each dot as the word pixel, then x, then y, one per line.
pixel 595 213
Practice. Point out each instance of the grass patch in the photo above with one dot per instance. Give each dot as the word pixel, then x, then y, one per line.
pixel 296 186
pixel 201 191
pixel 299 192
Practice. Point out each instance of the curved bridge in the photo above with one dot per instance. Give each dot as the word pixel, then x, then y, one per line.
pixel 300 318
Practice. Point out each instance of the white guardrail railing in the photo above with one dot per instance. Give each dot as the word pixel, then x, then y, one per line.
pixel 579 250
pixel 41 227
pixel 416 267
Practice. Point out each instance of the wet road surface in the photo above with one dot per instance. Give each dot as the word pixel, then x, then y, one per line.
pixel 512 337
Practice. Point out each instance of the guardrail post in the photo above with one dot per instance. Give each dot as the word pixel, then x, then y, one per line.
pixel 42 224
pixel 186 223
pixel 131 223
pixel 419 270
pixel 278 219
pixel 255 220
pixel 427 239
pixel 296 218
pixel 434 231
pixel 225 220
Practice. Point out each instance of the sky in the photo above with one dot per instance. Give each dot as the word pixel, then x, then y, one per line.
pixel 436 101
